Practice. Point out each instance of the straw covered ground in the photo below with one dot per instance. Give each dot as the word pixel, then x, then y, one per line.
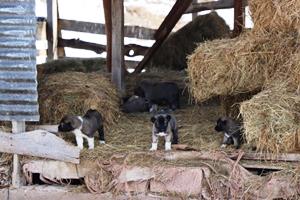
pixel 243 64
pixel 75 93
pixel 270 15
pixel 133 132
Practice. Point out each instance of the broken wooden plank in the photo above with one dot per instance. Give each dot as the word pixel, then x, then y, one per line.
pixel 99 48
pixel 239 17
pixel 98 28
pixel 39 143
pixel 108 32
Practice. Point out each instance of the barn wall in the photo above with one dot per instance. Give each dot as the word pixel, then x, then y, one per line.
pixel 18 84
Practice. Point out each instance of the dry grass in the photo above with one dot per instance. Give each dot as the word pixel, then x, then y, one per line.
pixel 272 120
pixel 270 15
pixel 75 93
pixel 233 66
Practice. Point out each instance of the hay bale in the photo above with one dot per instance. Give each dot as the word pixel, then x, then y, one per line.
pixel 172 54
pixel 272 119
pixel 275 15
pixel 75 93
pixel 233 66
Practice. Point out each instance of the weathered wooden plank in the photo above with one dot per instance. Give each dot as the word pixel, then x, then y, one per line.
pixel 164 30
pixel 98 28
pixel 108 32
pixel 39 143
pixel 72 193
pixel 239 17
pixel 130 50
pixel 118 44
pixel 185 155
pixel 213 5
pixel 17 128
pixel 52 33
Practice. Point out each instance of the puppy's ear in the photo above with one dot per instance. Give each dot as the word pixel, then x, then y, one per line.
pixel 168 117
pixel 153 119
pixel 75 122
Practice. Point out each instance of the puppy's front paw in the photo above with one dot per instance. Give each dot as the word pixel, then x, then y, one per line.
pixel 101 142
pixel 154 147
pixel 223 146
pixel 168 146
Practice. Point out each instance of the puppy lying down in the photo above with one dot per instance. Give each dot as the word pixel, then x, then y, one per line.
pixel 84 127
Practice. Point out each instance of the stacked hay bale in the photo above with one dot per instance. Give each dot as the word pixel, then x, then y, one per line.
pixel 172 54
pixel 265 59
pixel 75 93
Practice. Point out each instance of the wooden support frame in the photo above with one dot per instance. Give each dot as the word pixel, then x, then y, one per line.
pixel 164 30
pixel 239 17
pixel 117 47
pixel 17 127
pixel 52 29
pixel 108 31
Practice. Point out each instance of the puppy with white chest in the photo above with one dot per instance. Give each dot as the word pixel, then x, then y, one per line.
pixel 232 131
pixel 164 125
pixel 84 127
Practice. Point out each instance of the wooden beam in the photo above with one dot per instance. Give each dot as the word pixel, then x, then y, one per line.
pixel 97 28
pixel 39 143
pixel 239 17
pixel 164 30
pixel 130 50
pixel 17 127
pixel 52 33
pixel 213 5
pixel 118 44
pixel 108 32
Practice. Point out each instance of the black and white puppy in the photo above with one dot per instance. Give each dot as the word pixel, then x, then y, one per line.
pixel 84 127
pixel 164 125
pixel 232 131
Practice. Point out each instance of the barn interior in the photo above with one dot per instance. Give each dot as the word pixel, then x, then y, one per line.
pixel 249 74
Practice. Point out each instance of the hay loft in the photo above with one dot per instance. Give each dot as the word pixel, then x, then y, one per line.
pixel 75 93
pixel 172 54
pixel 243 64
pixel 272 120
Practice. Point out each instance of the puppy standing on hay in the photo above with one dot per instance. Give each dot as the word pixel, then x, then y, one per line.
pixel 232 132
pixel 84 127
pixel 164 125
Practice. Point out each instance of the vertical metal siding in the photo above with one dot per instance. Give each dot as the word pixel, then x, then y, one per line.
pixel 18 84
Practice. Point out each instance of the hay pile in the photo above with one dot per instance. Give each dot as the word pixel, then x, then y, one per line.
pixel 272 120
pixel 75 93
pixel 172 54
pixel 267 59
pixel 239 65
pixel 277 15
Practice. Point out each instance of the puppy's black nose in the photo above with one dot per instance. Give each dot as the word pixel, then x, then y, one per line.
pixel 218 129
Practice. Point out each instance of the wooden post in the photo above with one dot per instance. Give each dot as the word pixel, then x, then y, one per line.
pixel 17 127
pixel 52 32
pixel 108 31
pixel 164 30
pixel 239 19
pixel 118 43
pixel 194 14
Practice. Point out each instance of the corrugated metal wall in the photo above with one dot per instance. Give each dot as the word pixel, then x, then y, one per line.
pixel 18 84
